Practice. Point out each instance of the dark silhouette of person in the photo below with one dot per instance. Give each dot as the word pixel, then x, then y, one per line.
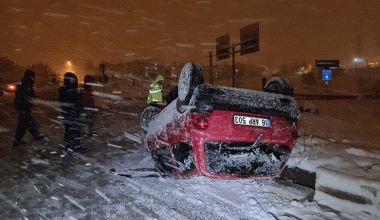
pixel 71 105
pixel 88 104
pixel 23 103
pixel 263 82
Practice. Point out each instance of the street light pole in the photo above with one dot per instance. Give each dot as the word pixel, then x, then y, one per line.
pixel 233 65
pixel 102 70
pixel 211 71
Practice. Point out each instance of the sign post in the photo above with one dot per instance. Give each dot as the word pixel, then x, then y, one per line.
pixel 211 71
pixel 326 66
pixel 249 38
pixel 326 76
pixel 249 43
pixel 223 47
pixel 102 69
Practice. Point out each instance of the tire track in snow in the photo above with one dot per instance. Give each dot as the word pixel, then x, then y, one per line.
pixel 138 211
pixel 143 189
pixel 135 186
pixel 50 193
pixel 213 205
pixel 12 204
pixel 156 206
pixel 189 208
pixel 216 196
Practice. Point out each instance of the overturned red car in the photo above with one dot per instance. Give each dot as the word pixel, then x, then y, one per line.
pixel 222 132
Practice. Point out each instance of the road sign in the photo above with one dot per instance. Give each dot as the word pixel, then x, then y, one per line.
pixel 326 75
pixel 249 38
pixel 223 47
pixel 101 67
pixel 326 64
pixel 104 79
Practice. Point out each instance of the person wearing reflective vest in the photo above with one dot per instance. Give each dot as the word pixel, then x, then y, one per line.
pixel 155 92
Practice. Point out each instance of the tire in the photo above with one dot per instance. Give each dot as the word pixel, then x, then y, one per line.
pixel 191 76
pixel 147 116
pixel 279 85
pixel 173 94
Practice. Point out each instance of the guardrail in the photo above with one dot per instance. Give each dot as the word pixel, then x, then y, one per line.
pixel 334 97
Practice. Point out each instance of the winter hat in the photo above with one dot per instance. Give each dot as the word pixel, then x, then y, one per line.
pixel 89 79
pixel 70 80
pixel 28 78
pixel 159 78
pixel 29 73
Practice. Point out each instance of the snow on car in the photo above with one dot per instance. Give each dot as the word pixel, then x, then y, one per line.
pixel 222 132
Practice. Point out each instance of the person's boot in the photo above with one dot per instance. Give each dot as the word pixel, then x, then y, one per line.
pixel 69 151
pixel 39 137
pixel 80 149
pixel 93 133
pixel 17 143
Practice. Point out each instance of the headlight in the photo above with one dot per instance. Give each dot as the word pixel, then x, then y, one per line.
pixel 11 88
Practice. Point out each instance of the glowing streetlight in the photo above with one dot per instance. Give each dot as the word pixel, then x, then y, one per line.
pixel 358 60
pixel 67 67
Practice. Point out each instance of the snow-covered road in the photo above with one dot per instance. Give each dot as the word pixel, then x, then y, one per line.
pixel 46 184
pixel 205 198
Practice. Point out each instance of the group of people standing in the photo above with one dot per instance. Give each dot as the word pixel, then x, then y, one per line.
pixel 74 103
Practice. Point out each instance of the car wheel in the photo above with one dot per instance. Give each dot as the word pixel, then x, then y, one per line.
pixel 279 85
pixel 147 116
pixel 191 76
pixel 173 94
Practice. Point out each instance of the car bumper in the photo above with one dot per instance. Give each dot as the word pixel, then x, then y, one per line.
pixel 234 153
pixel 233 160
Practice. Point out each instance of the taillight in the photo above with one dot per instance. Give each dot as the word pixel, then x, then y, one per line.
pixel 201 123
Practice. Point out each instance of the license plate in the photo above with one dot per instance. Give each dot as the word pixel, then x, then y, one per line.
pixel 252 121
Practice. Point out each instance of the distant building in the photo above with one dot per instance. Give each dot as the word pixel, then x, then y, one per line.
pixel 144 68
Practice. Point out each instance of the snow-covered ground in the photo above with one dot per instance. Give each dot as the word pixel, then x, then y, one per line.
pixel 204 198
pixel 115 179
pixel 340 145
pixel 344 155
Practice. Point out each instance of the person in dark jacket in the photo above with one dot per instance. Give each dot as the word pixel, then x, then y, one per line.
pixel 23 103
pixel 71 105
pixel 88 104
pixel 263 82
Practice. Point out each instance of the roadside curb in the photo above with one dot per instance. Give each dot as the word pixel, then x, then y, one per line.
pixel 334 189
pixel 347 193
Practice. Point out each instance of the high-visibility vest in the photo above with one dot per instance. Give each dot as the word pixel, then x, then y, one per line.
pixel 155 92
